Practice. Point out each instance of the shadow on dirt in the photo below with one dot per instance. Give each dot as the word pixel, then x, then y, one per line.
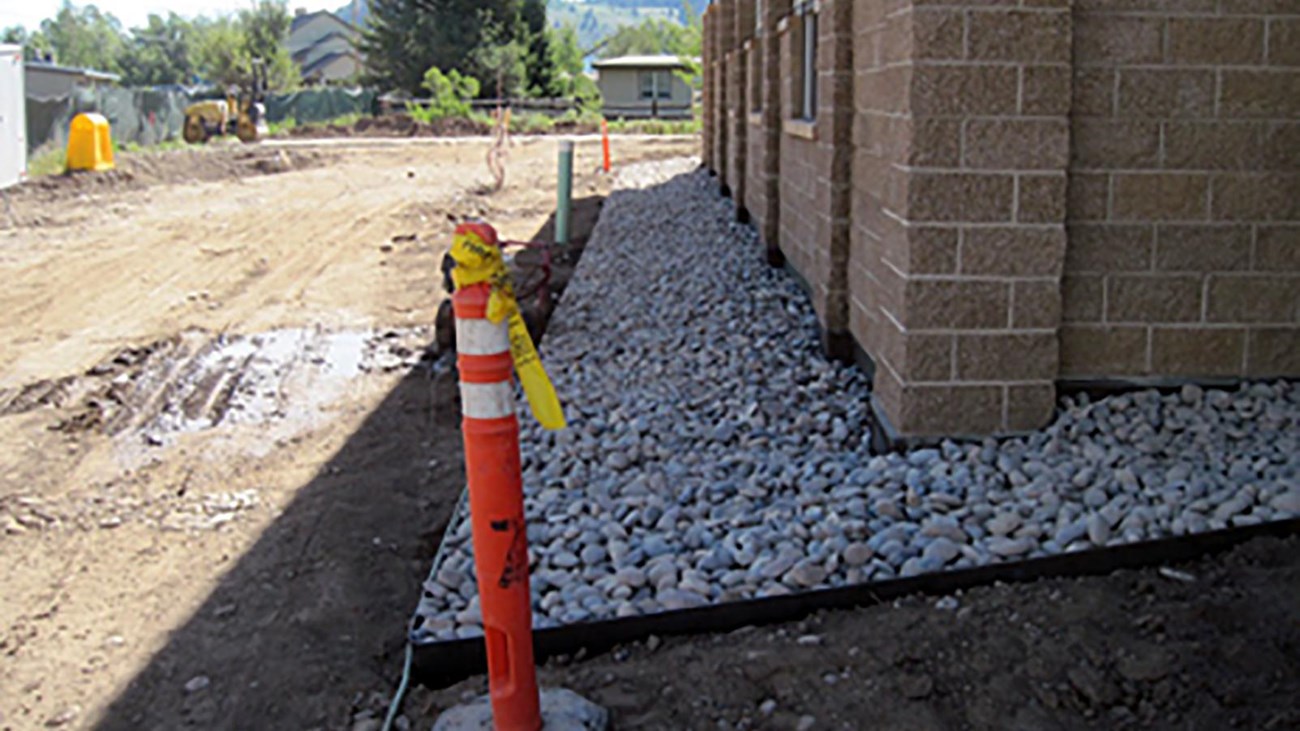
pixel 313 613
pixel 312 619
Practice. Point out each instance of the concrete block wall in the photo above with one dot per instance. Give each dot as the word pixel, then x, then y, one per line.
pixel 967 245
pixel 798 186
pixel 770 117
pixel 756 137
pixel 706 96
pixel 719 27
pixel 815 160
pixel 1000 195
pixel 1184 213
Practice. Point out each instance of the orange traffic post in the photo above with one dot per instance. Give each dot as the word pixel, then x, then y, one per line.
pixel 492 340
pixel 496 501
pixel 604 142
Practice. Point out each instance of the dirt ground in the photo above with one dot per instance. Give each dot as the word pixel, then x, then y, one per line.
pixel 1208 646
pixel 225 454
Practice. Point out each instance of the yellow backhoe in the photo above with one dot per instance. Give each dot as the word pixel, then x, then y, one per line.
pixel 242 114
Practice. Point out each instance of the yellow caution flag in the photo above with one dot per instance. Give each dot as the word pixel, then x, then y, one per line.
pixel 479 260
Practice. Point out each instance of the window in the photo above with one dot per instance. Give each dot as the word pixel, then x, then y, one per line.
pixel 656 84
pixel 805 42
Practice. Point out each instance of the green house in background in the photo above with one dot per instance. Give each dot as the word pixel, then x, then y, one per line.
pixel 643 87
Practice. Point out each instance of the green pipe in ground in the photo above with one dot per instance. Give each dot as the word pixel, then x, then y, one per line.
pixel 564 206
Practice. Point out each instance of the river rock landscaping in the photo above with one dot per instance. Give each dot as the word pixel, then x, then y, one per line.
pixel 713 454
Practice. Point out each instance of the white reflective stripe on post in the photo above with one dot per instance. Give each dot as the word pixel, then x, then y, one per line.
pixel 487 400
pixel 482 337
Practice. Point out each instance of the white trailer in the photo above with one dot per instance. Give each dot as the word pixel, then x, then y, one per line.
pixel 13 117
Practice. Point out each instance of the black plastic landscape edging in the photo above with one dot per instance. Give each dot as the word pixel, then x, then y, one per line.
pixel 440 664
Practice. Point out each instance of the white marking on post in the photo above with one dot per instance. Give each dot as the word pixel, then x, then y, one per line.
pixel 482 337
pixel 487 400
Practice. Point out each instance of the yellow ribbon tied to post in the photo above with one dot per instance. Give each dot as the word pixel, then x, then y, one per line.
pixel 478 260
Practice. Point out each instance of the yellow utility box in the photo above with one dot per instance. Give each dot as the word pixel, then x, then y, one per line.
pixel 90 146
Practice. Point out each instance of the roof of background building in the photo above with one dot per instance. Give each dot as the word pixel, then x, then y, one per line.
pixel 304 18
pixel 71 71
pixel 641 62
pixel 326 60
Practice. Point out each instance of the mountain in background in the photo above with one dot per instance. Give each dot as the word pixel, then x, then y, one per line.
pixel 594 19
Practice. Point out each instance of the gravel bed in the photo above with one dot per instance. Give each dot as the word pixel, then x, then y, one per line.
pixel 714 455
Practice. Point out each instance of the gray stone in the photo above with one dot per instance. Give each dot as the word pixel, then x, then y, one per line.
pixel 565 559
pixel 593 554
pixel 1004 524
pixel 806 573
pixel 630 576
pixel 1002 546
pixel 857 554
pixel 1287 502
pixel 1098 530
pixel 672 599
pixel 562 710
pixel 941 550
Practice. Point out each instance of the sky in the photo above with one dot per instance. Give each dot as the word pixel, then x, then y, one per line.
pixel 132 13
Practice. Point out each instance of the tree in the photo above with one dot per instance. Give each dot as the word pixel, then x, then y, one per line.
pixel 566 54
pixel 221 50
pixel 84 37
pixel 170 50
pixel 567 60
pixel 540 64
pixel 653 36
pixel 266 31
pixel 656 36
pixel 35 45
pixel 162 52
pixel 502 62
pixel 406 37
pixel 449 93
pixel 225 48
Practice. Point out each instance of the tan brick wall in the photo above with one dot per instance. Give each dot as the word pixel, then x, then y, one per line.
pixel 756 138
pixel 1001 194
pixel 706 96
pixel 742 14
pixel 756 162
pixel 1184 207
pixel 815 164
pixel 797 236
pixel 723 31
pixel 768 219
pixel 961 143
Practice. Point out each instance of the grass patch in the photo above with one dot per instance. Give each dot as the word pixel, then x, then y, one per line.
pixel 657 126
pixel 282 127
pixel 531 123
pixel 47 160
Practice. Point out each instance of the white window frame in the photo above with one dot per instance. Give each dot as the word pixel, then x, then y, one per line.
pixel 807 11
pixel 661 84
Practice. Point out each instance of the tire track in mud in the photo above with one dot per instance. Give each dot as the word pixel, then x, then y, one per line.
pixel 198 381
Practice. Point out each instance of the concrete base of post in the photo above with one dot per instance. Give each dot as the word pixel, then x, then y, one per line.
pixel 562 710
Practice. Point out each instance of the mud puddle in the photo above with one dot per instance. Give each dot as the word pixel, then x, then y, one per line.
pixel 199 381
